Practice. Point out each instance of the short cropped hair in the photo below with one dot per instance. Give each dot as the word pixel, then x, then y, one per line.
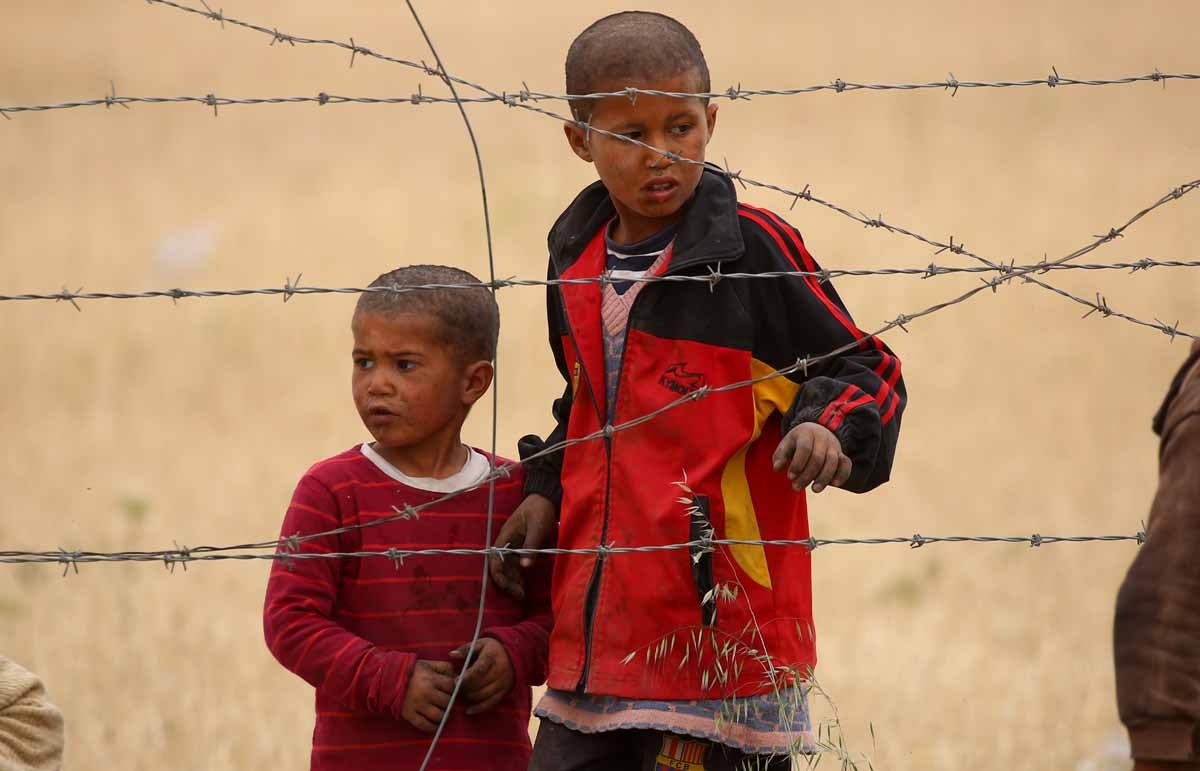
pixel 641 45
pixel 469 317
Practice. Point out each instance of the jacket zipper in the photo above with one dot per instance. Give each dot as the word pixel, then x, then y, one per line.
pixel 593 592
pixel 594 583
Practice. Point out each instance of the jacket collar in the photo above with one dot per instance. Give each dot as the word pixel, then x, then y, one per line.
pixel 708 233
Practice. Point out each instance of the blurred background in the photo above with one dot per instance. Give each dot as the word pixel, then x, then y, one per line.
pixel 134 425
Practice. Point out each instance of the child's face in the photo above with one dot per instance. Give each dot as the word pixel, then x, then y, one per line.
pixel 648 190
pixel 412 390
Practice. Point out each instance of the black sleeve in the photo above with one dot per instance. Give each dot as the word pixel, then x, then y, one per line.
pixel 859 394
pixel 542 474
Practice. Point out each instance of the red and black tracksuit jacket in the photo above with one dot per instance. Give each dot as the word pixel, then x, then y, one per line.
pixel 648 624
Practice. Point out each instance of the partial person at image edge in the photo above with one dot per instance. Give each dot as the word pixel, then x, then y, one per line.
pixel 1157 629
pixel 31 728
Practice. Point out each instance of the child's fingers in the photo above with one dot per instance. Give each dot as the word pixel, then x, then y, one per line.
pixel 805 465
pixel 828 470
pixel 783 452
pixel 801 458
pixel 506 574
pixel 484 706
pixel 441 679
pixel 488 697
pixel 440 667
pixel 423 724
pixel 436 697
pixel 843 471
pixel 503 568
pixel 539 526
pixel 477 675
pixel 432 715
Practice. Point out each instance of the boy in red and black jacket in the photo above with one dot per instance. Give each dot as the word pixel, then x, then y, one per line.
pixel 689 658
pixel 382 641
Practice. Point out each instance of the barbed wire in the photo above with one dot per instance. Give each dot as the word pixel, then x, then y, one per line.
pixel 796 195
pixel 292 288
pixel 802 365
pixel 212 100
pixel 288 548
pixel 322 98
pixel 525 95
pixel 837 85
pixel 184 556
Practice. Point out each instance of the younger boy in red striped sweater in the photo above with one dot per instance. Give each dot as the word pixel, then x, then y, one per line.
pixel 381 642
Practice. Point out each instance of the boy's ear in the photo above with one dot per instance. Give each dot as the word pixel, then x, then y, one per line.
pixel 577 139
pixel 477 378
pixel 710 115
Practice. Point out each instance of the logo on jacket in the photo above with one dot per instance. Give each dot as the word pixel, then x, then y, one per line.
pixel 678 379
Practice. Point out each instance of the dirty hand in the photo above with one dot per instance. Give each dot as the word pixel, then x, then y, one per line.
pixel 811 454
pixel 428 694
pixel 489 676
pixel 531 526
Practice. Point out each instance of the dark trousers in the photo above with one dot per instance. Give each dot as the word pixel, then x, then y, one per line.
pixel 558 748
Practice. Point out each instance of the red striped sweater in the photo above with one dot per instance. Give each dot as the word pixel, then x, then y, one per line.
pixel 353 628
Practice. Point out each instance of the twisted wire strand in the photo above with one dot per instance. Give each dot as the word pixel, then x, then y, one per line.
pixel 292 288
pixel 292 543
pixel 184 556
pixel 734 93
pixel 796 195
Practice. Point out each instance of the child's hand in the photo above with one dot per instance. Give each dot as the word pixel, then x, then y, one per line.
pixel 812 454
pixel 490 675
pixel 531 526
pixel 428 693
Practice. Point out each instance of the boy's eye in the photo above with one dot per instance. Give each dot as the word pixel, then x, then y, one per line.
pixel 405 364
pixel 633 135
pixel 360 363
pixel 681 130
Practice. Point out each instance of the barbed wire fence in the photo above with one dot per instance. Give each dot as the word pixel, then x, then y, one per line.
pixel 998 274
pixel 417 98
pixel 288 546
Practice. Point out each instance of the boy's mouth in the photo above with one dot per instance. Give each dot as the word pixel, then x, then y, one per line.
pixel 380 412
pixel 660 188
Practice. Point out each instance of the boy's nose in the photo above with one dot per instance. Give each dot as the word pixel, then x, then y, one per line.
pixel 379 384
pixel 659 160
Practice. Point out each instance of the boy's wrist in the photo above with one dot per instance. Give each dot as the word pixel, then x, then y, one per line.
pixel 545 483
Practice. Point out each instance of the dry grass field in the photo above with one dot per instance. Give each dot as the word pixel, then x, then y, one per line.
pixel 133 425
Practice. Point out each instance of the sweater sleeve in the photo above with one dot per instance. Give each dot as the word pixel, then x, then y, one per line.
pixel 1157 627
pixel 31 728
pixel 859 394
pixel 528 641
pixel 299 615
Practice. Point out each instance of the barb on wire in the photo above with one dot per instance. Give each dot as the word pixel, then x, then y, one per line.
pixel 71 559
pixel 837 85
pixel 1054 79
pixel 322 99
pixel 732 93
pixel 803 365
pixel 291 288
pixel 800 366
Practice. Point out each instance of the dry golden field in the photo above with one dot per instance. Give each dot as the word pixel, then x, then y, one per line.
pixel 133 425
